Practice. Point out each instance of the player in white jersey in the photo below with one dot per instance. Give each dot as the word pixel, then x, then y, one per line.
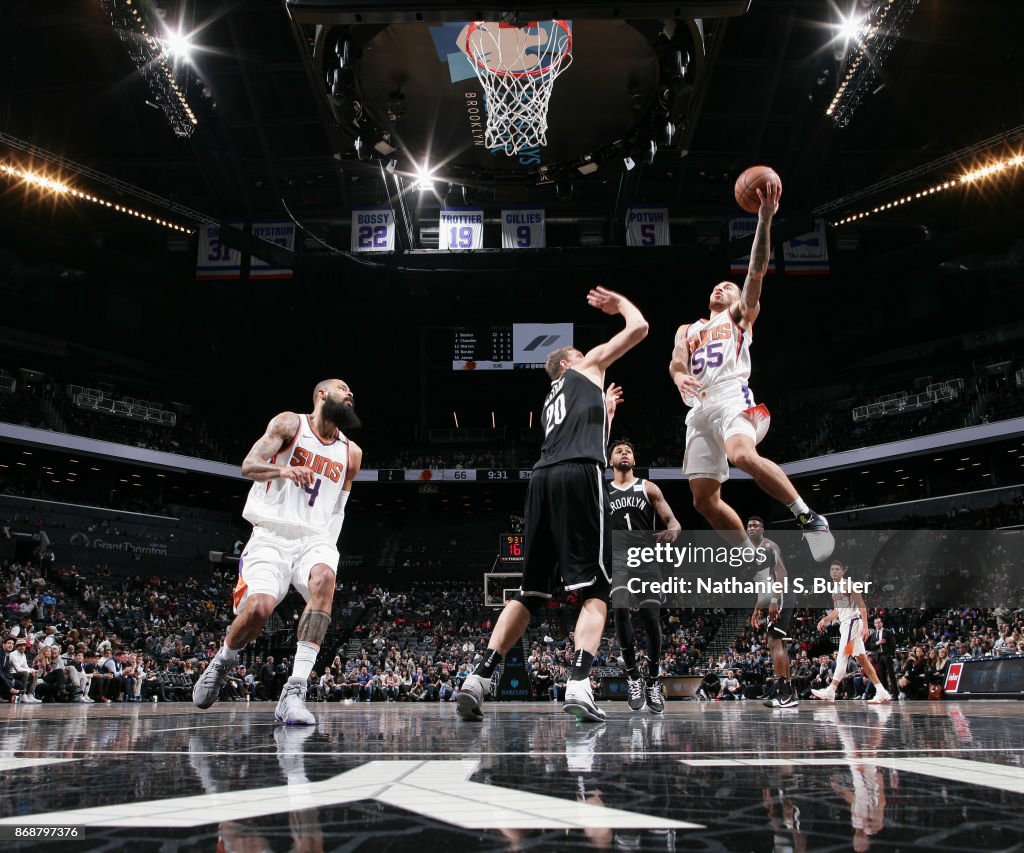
pixel 303 468
pixel 710 367
pixel 852 614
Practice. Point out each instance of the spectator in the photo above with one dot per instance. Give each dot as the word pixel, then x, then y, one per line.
pixel 913 680
pixel 24 675
pixel 9 688
pixel 731 687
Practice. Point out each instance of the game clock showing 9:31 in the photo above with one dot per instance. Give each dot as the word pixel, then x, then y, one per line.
pixel 510 547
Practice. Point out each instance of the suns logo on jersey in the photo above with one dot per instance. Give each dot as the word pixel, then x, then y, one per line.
pixel 706 336
pixel 320 464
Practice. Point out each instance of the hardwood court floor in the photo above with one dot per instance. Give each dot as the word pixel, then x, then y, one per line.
pixel 706 776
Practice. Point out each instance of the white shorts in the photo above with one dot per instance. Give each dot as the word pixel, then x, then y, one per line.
pixel 276 558
pixel 716 416
pixel 851 638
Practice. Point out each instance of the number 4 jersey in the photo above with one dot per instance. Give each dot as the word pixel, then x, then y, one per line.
pixel 575 422
pixel 719 351
pixel 312 508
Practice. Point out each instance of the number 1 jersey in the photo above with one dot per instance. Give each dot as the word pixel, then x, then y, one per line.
pixel 309 509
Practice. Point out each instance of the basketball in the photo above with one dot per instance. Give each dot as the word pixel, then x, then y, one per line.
pixel 753 179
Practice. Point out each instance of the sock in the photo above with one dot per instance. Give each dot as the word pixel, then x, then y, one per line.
pixel 798 507
pixel 228 655
pixel 783 687
pixel 581 665
pixel 488 664
pixel 305 657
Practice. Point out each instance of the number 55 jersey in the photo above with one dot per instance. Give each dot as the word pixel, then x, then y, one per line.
pixel 719 351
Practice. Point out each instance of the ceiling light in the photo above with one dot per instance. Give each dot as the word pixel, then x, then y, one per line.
pixel 424 179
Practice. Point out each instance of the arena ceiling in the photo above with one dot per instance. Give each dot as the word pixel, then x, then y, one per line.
pixel 267 134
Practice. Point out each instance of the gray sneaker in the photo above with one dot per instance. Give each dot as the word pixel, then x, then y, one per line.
pixel 636 697
pixel 207 689
pixel 817 535
pixel 471 698
pixel 291 707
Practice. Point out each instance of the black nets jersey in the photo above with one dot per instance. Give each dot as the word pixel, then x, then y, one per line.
pixel 575 422
pixel 630 507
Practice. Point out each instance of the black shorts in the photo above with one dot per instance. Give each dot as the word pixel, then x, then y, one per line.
pixel 785 612
pixel 621 596
pixel 568 535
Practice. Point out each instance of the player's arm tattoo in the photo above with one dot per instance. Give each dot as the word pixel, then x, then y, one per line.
pixel 313 626
pixel 280 430
pixel 760 253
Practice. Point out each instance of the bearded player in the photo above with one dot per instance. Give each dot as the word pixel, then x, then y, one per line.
pixel 303 468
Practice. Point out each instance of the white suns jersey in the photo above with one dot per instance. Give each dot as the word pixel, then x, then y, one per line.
pixel 719 351
pixel 310 508
pixel 846 604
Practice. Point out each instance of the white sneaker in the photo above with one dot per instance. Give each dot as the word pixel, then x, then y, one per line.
pixel 881 697
pixel 471 698
pixel 826 695
pixel 291 707
pixel 579 701
pixel 29 699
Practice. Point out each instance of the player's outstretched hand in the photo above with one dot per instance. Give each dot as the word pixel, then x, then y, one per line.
pixel 770 198
pixel 612 398
pixel 668 536
pixel 300 475
pixel 755 618
pixel 606 300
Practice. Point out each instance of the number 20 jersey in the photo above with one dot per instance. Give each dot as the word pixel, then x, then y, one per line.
pixel 719 351
pixel 309 509
pixel 575 422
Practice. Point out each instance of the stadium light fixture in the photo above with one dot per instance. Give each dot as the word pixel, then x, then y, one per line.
pixel 873 37
pixel 970 177
pixel 424 179
pixel 38 181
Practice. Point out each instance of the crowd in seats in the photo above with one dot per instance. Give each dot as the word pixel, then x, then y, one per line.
pixel 77 636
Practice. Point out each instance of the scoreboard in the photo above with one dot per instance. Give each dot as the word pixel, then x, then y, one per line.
pixel 510 547
pixel 482 348
pixel 508 345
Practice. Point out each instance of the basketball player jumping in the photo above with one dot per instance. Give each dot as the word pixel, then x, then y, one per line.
pixel 566 520
pixel 711 367
pixel 303 468
pixel 852 614
pixel 780 614
pixel 633 503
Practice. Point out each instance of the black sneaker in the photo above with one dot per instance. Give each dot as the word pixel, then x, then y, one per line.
pixel 786 700
pixel 817 535
pixel 655 699
pixel 635 688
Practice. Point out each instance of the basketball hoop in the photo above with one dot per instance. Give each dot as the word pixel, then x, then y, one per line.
pixel 517 68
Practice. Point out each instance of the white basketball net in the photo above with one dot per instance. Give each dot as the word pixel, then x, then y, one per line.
pixel 517 68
